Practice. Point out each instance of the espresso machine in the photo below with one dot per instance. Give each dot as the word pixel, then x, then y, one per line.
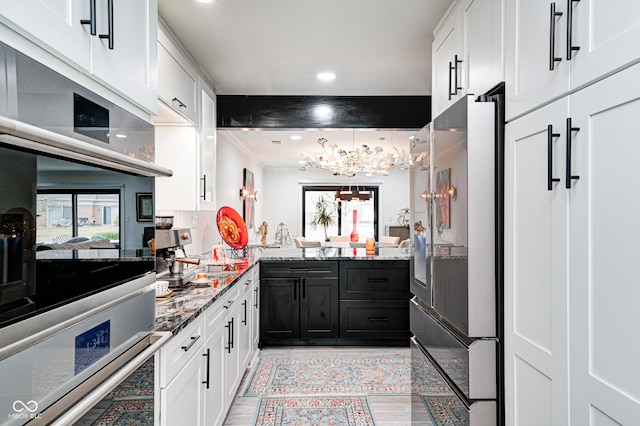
pixel 171 258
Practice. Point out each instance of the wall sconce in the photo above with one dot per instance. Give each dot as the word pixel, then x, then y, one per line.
pixel 453 192
pixel 244 194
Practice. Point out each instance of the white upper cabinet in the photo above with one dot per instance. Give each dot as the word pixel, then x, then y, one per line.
pixel 483 30
pixel 177 80
pixel 447 84
pixel 112 41
pixel 557 47
pixel 467 52
pixel 607 33
pixel 208 152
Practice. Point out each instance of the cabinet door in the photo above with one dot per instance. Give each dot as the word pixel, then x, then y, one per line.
pixel 176 148
pixel 245 338
pixel 279 313
pixel 535 298
pixel 603 240
pixel 54 23
pixel 215 404
pixel 255 317
pixel 446 48
pixel 130 67
pixel 181 401
pixel 177 82
pixel 483 30
pixel 529 81
pixel 208 152
pixel 608 35
pixel 319 306
pixel 233 367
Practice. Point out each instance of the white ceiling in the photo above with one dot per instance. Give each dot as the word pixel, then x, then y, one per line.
pixel 276 47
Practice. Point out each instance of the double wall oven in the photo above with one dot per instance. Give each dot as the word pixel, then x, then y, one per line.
pixel 77 298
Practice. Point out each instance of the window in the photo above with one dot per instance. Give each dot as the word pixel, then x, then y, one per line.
pixel 366 213
pixel 62 214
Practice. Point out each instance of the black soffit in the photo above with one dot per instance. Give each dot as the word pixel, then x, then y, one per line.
pixel 317 112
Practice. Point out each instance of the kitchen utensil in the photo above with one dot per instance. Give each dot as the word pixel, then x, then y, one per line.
pixel 232 228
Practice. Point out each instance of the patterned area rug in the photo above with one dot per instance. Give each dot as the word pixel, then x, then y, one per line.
pixel 326 411
pixel 127 413
pixel 446 410
pixel 348 376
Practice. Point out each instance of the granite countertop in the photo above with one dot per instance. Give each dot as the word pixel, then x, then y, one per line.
pixel 186 304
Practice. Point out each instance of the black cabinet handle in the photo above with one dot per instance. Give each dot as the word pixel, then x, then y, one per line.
pixel 450 79
pixel 569 176
pixel 208 356
pixel 550 136
pixel 231 342
pixel 456 61
pixel 570 47
pixel 378 318
pixel 552 37
pixel 228 304
pixel 180 103
pixel 92 18
pixel 194 339
pixel 248 282
pixel 109 34
pixel 378 280
pixel 255 305
pixel 228 327
pixel 244 303
pixel 204 187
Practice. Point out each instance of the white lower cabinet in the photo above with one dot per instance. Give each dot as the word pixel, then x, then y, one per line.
pixel 570 251
pixel 198 388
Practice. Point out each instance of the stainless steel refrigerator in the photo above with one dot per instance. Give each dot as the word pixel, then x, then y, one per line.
pixel 456 312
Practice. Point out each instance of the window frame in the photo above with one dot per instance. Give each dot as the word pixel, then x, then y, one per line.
pixel 375 190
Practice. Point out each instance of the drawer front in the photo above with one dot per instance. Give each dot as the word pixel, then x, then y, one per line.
pixel 471 367
pixel 374 281
pixel 299 269
pixel 180 349
pixel 441 402
pixel 374 319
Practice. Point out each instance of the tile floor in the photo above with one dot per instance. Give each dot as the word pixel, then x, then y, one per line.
pixel 391 410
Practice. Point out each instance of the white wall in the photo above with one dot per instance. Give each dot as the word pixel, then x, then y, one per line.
pixel 282 201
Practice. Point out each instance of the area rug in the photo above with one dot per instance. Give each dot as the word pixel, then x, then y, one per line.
pixel 127 413
pixel 446 410
pixel 344 376
pixel 325 411
pixel 138 385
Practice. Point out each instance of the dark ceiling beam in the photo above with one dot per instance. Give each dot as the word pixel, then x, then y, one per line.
pixel 317 112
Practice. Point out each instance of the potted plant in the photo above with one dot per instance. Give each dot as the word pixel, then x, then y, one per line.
pixel 324 215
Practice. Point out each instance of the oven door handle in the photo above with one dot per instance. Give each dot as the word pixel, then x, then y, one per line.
pixel 70 408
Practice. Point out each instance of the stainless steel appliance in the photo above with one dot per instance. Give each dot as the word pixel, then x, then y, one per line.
pixel 72 320
pixel 455 313
pixel 170 252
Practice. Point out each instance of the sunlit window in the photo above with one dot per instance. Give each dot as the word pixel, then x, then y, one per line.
pixel 342 213
pixel 62 215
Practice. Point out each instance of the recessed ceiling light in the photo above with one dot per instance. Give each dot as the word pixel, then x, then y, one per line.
pixel 326 76
pixel 121 136
pixel 296 137
pixel 206 1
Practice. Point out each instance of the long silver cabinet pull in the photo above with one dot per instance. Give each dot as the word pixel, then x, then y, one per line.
pixel 569 176
pixel 194 339
pixel 570 47
pixel 109 34
pixel 92 18
pixel 550 136
pixel 552 37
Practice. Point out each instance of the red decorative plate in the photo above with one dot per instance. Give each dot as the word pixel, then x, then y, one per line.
pixel 232 228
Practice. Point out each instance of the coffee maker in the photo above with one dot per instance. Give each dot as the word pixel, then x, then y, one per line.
pixel 170 252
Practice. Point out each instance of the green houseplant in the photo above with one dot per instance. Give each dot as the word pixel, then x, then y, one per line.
pixel 324 214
